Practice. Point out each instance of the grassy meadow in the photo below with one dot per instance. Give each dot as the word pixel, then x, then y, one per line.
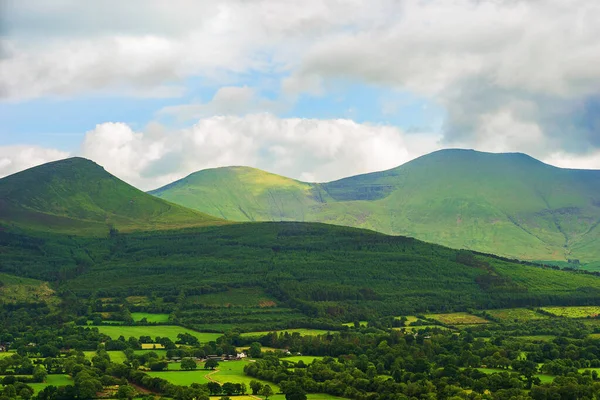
pixel 138 316
pixel 515 314
pixel 52 380
pixel 170 331
pixel 574 312
pixel 460 318
pixel 300 331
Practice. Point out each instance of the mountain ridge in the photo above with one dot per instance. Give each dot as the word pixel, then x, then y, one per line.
pixel 506 203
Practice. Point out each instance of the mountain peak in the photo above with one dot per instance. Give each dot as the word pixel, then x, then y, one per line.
pixel 78 192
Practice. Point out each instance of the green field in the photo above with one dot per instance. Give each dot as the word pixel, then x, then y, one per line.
pixel 138 316
pixel 233 371
pixel 459 318
pixel 534 338
pixel 169 331
pixel 184 378
pixel 543 377
pixel 515 314
pixel 351 324
pixel 4 354
pixel 303 332
pixel 54 380
pixel 305 359
pixel 574 312
pixel 418 327
pixel 159 353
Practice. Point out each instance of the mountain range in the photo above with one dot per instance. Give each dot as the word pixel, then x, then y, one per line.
pixel 73 225
pixel 508 204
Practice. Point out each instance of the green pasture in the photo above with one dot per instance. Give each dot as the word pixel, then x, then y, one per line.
pixel 459 318
pixel 233 371
pixel 138 316
pixel 351 324
pixel 574 312
pixel 544 378
pixel 419 327
pixel 264 349
pixel 170 331
pixel 52 380
pixel 4 354
pixel 542 338
pixel 160 353
pixel 409 319
pixel 516 314
pixel 304 359
pixel 184 378
pixel 303 332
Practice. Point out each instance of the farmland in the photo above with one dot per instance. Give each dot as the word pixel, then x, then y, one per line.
pixel 460 318
pixel 138 316
pixel 54 380
pixel 184 378
pixel 573 312
pixel 515 314
pixel 304 332
pixel 169 331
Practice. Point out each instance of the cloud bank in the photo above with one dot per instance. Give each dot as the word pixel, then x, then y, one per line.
pixel 516 75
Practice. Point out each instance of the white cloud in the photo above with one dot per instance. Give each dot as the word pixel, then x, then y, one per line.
pixel 514 75
pixel 306 149
pixel 17 158
pixel 301 148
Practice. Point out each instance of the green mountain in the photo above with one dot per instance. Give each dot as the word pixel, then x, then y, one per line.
pixel 302 269
pixel 507 204
pixel 76 195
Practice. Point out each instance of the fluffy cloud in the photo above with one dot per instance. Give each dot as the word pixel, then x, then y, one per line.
pixel 514 75
pixel 68 48
pixel 307 149
pixel 17 158
pixel 528 66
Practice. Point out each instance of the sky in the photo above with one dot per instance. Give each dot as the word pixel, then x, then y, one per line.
pixel 154 90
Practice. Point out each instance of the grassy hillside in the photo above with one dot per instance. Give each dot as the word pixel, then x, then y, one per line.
pixel 78 196
pixel 243 194
pixel 508 204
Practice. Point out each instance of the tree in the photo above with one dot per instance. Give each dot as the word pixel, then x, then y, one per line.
pixel 229 388
pixel 293 391
pixel 266 391
pixel 214 388
pixel 211 364
pixel 256 387
pixel 126 392
pixel 255 350
pixel 188 364
pixel 39 374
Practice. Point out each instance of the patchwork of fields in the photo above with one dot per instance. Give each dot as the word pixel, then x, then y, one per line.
pixel 233 371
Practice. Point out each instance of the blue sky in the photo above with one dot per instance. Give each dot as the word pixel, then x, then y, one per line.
pixel 317 90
